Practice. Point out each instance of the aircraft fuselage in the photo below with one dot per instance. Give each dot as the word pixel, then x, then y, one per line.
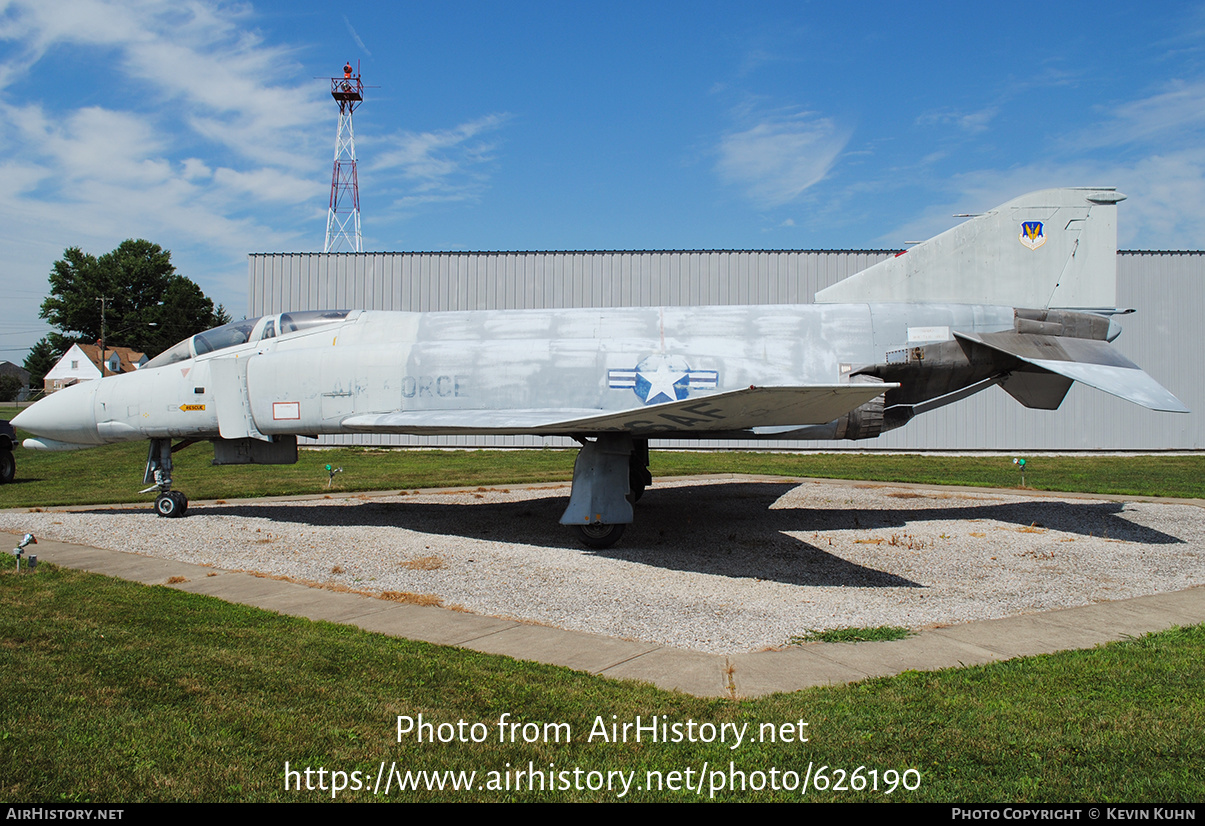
pixel 310 382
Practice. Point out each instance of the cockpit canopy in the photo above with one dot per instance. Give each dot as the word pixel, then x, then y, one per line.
pixel 241 332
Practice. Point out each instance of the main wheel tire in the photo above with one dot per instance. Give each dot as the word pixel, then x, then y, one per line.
pixel 8 467
pixel 635 489
pixel 638 477
pixel 598 535
pixel 170 504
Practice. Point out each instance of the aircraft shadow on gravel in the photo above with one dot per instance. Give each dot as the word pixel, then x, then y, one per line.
pixel 730 529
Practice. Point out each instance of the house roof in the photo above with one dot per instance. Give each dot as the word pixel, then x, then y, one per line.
pixel 8 368
pixel 129 358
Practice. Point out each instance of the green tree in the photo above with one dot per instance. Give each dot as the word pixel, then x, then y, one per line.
pixel 42 356
pixel 10 385
pixel 148 305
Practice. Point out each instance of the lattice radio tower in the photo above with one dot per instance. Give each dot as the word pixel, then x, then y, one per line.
pixel 343 220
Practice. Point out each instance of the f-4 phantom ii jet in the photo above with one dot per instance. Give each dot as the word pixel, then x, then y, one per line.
pixel 1022 297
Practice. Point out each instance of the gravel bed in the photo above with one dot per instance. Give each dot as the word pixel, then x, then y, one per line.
pixel 712 566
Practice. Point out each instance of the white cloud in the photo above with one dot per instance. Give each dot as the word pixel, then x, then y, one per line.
pixel 786 224
pixel 174 92
pixel 268 184
pixel 197 133
pixel 1151 148
pixel 972 122
pixel 443 165
pixel 190 65
pixel 778 158
pixel 194 169
pixel 1164 208
pixel 37 27
pixel 1174 114
pixel 351 30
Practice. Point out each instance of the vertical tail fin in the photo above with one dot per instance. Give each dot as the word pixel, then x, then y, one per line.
pixel 1054 248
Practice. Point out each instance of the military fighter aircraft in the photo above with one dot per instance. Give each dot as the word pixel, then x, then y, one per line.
pixel 1022 297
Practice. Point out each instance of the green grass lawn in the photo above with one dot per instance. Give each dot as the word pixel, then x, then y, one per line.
pixel 120 692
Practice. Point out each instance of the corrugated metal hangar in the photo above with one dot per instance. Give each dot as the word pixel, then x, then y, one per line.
pixel 1164 337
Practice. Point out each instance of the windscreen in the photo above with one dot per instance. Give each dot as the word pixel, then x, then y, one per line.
pixel 228 335
pixel 239 332
pixel 178 352
pixel 292 322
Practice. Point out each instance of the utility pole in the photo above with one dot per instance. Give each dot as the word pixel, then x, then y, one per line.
pixel 102 301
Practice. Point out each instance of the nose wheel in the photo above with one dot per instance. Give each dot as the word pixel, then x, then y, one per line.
pixel 171 504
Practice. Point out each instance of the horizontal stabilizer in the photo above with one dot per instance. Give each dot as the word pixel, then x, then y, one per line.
pixel 1089 361
pixel 731 411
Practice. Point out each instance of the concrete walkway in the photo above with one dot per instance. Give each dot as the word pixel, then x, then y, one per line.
pixel 708 675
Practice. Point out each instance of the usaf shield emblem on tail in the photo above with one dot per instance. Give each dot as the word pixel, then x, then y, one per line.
pixel 1031 234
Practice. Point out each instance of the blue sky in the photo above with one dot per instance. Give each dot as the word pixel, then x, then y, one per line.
pixel 564 125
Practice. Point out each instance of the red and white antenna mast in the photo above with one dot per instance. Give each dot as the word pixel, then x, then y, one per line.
pixel 343 220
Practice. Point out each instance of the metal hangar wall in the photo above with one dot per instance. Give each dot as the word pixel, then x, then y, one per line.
pixel 1165 335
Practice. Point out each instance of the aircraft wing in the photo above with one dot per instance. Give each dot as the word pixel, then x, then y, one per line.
pixel 730 411
pixel 1089 361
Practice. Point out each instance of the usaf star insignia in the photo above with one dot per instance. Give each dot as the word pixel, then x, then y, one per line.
pixel 662 378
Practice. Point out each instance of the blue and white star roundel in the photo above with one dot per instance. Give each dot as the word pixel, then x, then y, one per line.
pixel 661 378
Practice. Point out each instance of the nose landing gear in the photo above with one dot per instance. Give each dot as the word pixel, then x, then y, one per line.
pixel 169 503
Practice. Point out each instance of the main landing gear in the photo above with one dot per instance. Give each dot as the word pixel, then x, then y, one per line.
pixel 609 475
pixel 639 477
pixel 169 503
pixel 597 535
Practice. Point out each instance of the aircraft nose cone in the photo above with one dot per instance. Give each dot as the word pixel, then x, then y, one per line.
pixel 65 416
